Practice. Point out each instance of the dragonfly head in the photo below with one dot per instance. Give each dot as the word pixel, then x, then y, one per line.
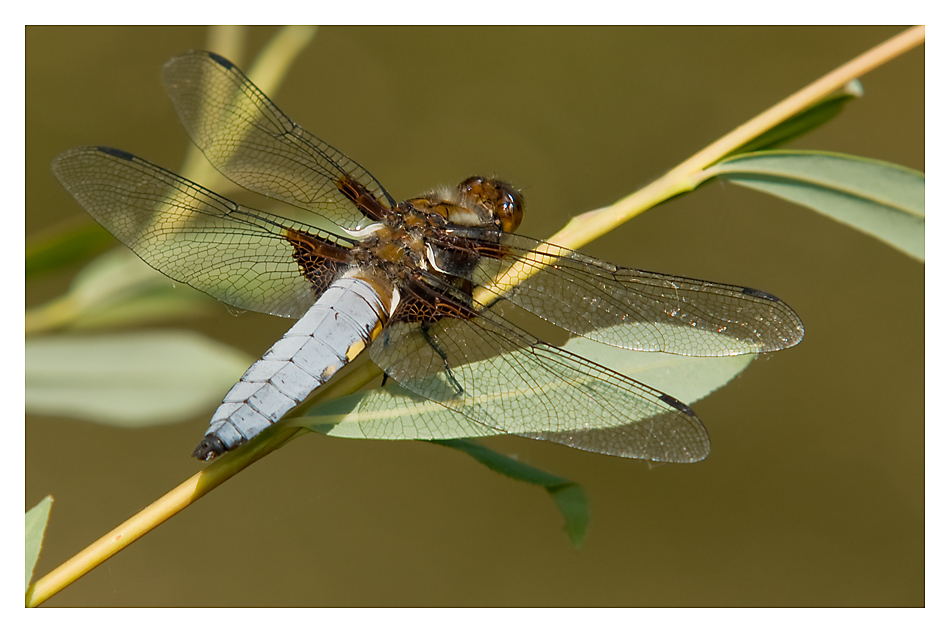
pixel 501 200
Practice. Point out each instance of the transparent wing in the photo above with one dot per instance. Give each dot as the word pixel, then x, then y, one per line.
pixel 629 308
pixel 249 140
pixel 501 377
pixel 244 257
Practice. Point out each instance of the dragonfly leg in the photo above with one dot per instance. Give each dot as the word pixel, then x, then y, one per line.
pixel 424 330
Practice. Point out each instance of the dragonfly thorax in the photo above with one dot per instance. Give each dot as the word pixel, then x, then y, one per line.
pixel 477 202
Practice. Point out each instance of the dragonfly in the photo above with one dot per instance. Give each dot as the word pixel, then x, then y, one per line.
pixel 424 286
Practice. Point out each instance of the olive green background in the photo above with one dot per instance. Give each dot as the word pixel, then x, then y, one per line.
pixel 814 491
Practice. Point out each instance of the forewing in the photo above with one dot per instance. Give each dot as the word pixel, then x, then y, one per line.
pixel 631 308
pixel 249 140
pixel 499 376
pixel 238 255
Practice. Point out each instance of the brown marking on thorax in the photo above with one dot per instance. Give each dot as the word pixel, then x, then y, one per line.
pixel 421 304
pixel 320 261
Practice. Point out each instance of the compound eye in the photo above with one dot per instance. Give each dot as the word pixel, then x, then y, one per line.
pixel 504 202
pixel 509 207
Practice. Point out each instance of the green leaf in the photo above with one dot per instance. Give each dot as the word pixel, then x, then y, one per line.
pixel 688 378
pixel 394 413
pixel 66 247
pixel 118 289
pixel 36 519
pixel 131 380
pixel 881 199
pixel 569 496
pixel 805 121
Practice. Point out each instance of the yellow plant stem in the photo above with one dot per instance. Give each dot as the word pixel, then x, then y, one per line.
pixel 687 175
pixel 591 225
pixel 151 517
pixel 359 373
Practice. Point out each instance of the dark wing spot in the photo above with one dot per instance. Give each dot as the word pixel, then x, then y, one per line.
pixel 221 61
pixel 676 404
pixel 118 153
pixel 752 292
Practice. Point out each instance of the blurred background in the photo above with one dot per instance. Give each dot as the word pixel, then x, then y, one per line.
pixel 814 491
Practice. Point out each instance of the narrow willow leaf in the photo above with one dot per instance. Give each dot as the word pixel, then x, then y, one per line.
pixel 66 247
pixel 118 289
pixel 805 121
pixel 155 306
pixel 36 519
pixel 113 277
pixel 881 199
pixel 569 496
pixel 132 380
pixel 394 413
